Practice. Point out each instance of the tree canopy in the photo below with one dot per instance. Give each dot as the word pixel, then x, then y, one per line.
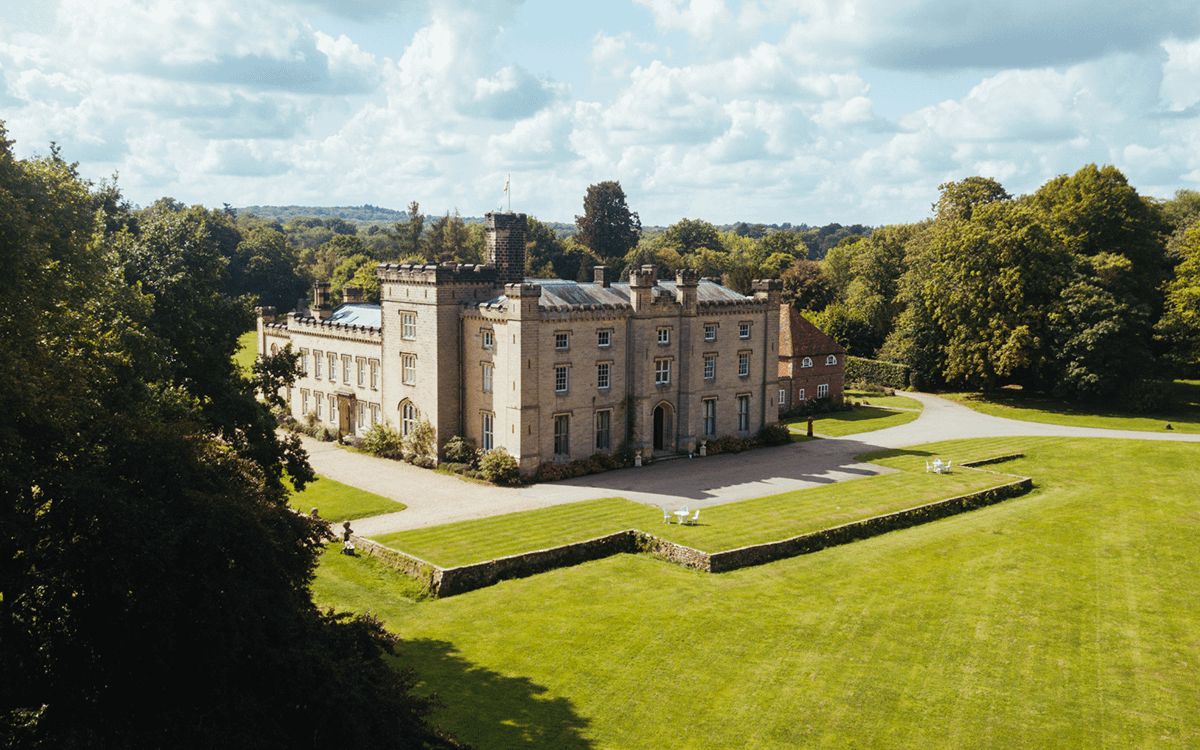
pixel 153 581
pixel 607 228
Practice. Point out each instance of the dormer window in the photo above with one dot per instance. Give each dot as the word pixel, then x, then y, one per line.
pixel 831 360
pixel 806 362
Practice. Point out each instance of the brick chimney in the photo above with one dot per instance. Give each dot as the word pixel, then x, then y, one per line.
pixel 506 246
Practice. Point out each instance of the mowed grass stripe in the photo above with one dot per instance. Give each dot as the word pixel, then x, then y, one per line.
pixel 842 423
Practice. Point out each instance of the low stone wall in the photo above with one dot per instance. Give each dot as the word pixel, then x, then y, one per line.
pixel 744 557
pixel 450 581
pixel 990 461
pixel 476 576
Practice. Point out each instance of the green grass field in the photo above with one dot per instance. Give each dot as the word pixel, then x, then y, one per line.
pixel 890 402
pixel 842 423
pixel 1069 617
pixel 339 502
pixel 1185 417
pixel 247 351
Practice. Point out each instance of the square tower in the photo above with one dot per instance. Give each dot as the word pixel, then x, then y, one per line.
pixel 506 246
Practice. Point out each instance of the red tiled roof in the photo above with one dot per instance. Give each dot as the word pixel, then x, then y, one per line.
pixel 799 338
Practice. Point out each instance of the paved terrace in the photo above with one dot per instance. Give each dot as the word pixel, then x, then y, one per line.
pixel 434 498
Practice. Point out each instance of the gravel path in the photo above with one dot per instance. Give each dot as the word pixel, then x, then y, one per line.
pixel 434 498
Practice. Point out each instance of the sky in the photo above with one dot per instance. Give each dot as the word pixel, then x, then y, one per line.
pixel 800 111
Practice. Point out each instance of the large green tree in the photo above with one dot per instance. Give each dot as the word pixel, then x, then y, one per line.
pixel 153 581
pixel 608 228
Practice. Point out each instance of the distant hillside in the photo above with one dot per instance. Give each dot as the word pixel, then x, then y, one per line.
pixel 365 214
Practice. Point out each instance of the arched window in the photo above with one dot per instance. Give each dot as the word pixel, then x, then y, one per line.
pixel 831 360
pixel 408 418
pixel 806 362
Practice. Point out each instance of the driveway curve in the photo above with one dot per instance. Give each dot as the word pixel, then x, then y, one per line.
pixel 434 498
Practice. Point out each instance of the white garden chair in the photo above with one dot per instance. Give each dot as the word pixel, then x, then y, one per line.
pixel 695 518
pixel 666 515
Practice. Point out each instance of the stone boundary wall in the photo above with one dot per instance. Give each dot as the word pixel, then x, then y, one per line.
pixel 458 580
pixel 989 461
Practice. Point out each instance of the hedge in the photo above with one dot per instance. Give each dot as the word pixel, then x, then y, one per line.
pixel 876 372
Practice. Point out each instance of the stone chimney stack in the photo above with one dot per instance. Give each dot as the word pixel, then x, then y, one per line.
pixel 352 295
pixel 506 246
pixel 641 286
pixel 603 275
pixel 687 280
pixel 321 307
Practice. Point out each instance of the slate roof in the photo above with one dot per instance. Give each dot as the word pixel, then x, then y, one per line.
pixel 560 294
pixel 358 314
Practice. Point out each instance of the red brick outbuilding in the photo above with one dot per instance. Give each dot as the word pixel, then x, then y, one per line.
pixel 811 364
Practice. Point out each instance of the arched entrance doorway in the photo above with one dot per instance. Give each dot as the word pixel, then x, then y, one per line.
pixel 663 430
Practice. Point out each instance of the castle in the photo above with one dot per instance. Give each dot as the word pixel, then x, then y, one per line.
pixel 550 370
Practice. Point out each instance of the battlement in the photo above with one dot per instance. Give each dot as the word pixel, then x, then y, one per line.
pixel 351 331
pixel 433 273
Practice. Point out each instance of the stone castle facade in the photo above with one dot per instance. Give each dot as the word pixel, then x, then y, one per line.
pixel 550 370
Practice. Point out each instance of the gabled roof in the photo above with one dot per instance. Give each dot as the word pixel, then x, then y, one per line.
pixel 800 338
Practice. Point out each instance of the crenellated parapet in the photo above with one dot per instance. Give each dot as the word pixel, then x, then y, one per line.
pixel 318 327
pixel 434 273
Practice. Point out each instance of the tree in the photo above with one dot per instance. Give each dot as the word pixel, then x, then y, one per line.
pixel 549 257
pixel 266 267
pixel 875 271
pixel 690 236
pixel 1179 328
pixel 959 200
pixel 607 228
pixel 153 581
pixel 805 286
pixel 408 234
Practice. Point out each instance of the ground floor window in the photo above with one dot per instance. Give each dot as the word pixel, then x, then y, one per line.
pixel 318 398
pixel 603 430
pixel 362 414
pixel 408 418
pixel 743 412
pixel 710 416
pixel 800 395
pixel 782 397
pixel 823 390
pixel 488 428
pixel 303 403
pixel 333 410
pixel 562 443
pixel 374 414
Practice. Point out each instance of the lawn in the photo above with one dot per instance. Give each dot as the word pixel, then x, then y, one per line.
pixel 861 419
pixel 1185 417
pixel 247 351
pixel 874 398
pixel 339 502
pixel 719 528
pixel 1069 617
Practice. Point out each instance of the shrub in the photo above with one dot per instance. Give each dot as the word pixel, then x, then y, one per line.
pixel 774 434
pixel 729 444
pixel 1148 396
pixel 460 450
pixel 499 467
pixel 383 440
pixel 422 442
pixel 425 462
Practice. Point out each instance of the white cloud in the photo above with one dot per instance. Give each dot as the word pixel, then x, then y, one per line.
pixel 699 18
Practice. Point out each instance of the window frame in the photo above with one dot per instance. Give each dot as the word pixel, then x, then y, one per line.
pixel 744 330
pixel 831 360
pixel 823 390
pixel 662 371
pixel 487 439
pixel 743 412
pixel 664 335
pixel 709 418
pixel 603 375
pixel 710 366
pixel 488 376
pixel 806 362
pixel 408 325
pixel 710 331
pixel 489 338
pixel 744 364
pixel 562 378
pixel 562 341
pixel 603 338
pixel 318 358
pixel 562 434
pixel 374 363
pixel 603 431
pixel 408 368
pixel 408 417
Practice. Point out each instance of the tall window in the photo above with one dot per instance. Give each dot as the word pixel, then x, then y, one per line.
pixel 560 378
pixel 333 410
pixel 664 335
pixel 408 325
pixel 710 416
pixel 743 330
pixel 374 374
pixel 488 425
pixel 318 399
pixel 408 418
pixel 317 359
pixel 782 397
pixel 800 395
pixel 710 331
pixel 487 377
pixel 347 366
pixel 602 374
pixel 602 338
pixel 408 369
pixel 304 362
pixel 374 414
pixel 743 404
pixel 743 364
pixel 603 430
pixel 823 390
pixel 303 402
pixel 487 340
pixel 562 443
pixel 333 359
pixel 662 371
pixel 710 366
pixel 561 340
pixel 362 372
pixel 362 414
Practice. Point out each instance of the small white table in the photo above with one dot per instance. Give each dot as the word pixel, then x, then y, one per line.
pixel 938 466
pixel 683 514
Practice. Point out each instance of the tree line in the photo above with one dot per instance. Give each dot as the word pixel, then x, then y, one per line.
pixel 154 584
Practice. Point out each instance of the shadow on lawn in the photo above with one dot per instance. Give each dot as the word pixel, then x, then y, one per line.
pixel 488 709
